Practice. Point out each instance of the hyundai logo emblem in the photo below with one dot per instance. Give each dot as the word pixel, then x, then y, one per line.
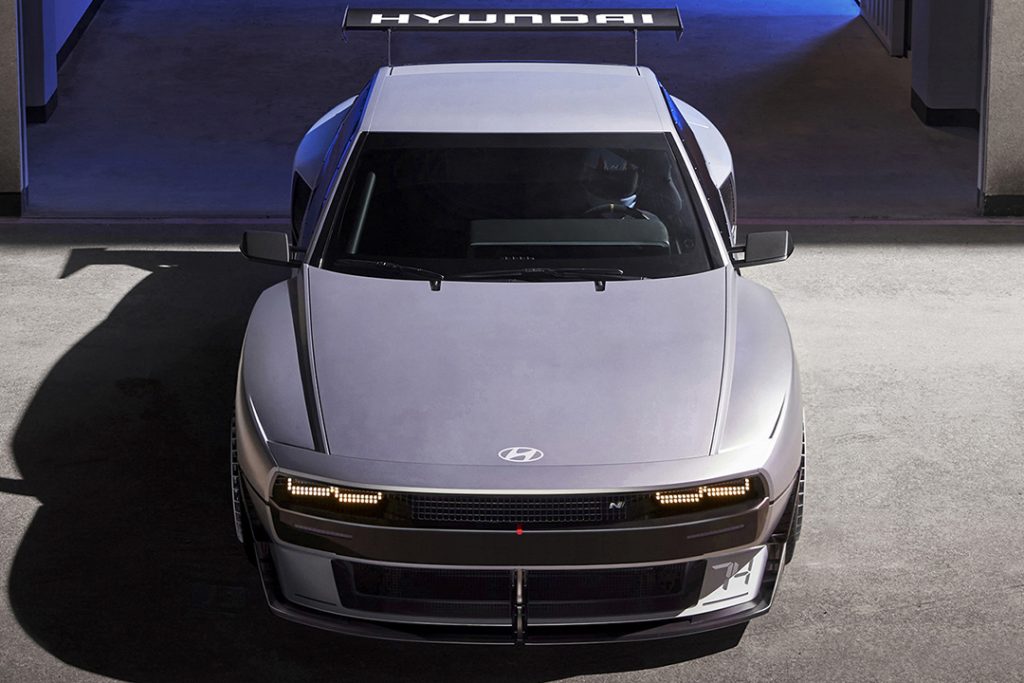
pixel 520 454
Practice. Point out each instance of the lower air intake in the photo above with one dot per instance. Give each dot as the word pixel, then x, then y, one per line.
pixel 475 595
pixel 555 596
pixel 595 594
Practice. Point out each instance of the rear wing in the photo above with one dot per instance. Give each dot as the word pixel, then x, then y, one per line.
pixel 513 19
pixel 660 19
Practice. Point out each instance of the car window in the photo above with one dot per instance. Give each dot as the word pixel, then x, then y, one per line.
pixel 465 204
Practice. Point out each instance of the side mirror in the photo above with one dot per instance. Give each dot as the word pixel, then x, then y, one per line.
pixel 763 247
pixel 267 247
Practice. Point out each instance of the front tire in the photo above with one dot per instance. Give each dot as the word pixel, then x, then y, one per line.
pixel 243 528
pixel 797 519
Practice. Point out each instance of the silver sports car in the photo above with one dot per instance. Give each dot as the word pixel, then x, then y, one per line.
pixel 516 389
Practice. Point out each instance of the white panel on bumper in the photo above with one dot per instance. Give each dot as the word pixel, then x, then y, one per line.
pixel 730 580
pixel 306 578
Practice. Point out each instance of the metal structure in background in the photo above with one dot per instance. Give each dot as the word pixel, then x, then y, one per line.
pixel 888 19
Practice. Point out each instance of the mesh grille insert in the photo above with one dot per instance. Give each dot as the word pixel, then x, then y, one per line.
pixel 595 509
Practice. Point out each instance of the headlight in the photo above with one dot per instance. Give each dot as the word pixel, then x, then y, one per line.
pixel 712 495
pixel 314 497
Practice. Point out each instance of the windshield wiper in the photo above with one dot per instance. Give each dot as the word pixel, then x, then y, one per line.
pixel 596 274
pixel 401 268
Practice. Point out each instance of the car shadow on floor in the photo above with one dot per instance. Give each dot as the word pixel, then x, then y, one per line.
pixel 129 567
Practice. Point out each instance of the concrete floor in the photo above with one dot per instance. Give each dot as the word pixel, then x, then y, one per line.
pixel 170 108
pixel 116 545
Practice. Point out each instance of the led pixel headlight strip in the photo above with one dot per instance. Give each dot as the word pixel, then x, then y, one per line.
pixel 306 489
pixel 726 490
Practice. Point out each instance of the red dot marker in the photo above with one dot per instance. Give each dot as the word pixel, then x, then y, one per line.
pixel 519 530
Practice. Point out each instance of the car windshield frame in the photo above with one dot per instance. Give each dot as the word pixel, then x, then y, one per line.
pixel 346 198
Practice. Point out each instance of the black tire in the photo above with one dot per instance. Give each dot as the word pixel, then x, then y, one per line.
pixel 243 525
pixel 796 520
pixel 248 543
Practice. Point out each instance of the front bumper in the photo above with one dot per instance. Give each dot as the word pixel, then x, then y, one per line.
pixel 302 572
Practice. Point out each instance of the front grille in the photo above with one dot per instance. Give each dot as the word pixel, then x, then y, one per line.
pixel 501 511
pixel 559 510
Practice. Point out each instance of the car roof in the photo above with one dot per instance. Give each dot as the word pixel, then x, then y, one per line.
pixel 505 97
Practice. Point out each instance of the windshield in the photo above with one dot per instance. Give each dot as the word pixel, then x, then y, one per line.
pixel 516 206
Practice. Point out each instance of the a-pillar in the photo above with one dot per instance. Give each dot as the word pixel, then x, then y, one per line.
pixel 13 175
pixel 1001 178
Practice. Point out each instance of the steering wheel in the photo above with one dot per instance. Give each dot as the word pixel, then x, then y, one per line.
pixel 611 210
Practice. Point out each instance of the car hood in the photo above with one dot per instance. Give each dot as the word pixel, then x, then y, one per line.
pixel 408 375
